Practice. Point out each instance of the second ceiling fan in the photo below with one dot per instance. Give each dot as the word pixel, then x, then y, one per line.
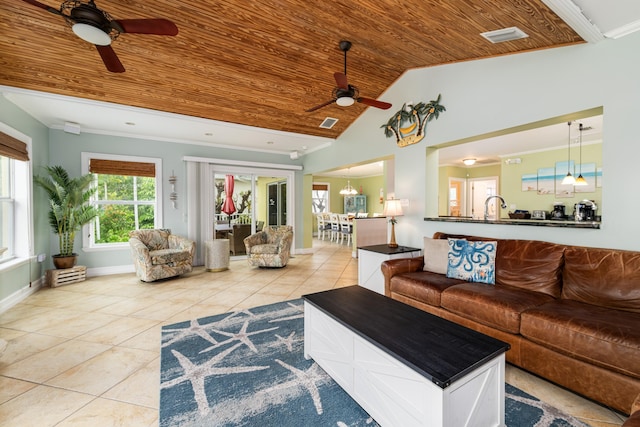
pixel 345 94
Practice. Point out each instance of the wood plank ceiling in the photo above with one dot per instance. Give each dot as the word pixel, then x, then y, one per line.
pixel 263 63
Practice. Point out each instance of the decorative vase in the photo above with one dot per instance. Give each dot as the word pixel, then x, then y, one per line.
pixel 64 261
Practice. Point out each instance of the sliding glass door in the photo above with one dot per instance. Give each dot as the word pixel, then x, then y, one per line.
pixel 249 199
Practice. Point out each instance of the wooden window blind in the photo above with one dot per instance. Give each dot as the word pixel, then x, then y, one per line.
pixel 13 148
pixel 117 167
pixel 324 187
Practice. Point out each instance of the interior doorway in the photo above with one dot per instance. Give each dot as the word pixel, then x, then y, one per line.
pixel 457 197
pixel 479 190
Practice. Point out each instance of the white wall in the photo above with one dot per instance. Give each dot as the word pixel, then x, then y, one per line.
pixel 497 93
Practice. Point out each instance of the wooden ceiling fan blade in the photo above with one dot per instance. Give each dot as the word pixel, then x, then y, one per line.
pixel 317 107
pixel 375 103
pixel 161 27
pixel 110 59
pixel 43 6
pixel 341 80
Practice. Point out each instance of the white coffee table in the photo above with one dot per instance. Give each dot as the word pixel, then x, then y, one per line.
pixel 404 366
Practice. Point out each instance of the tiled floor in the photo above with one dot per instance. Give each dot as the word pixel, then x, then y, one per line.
pixel 87 354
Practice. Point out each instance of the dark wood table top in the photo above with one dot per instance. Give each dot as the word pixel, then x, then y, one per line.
pixel 440 350
pixel 385 249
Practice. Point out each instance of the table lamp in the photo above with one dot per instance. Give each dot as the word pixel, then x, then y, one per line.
pixel 392 208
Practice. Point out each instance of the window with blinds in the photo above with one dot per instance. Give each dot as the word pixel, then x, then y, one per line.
pixel 126 198
pixel 320 197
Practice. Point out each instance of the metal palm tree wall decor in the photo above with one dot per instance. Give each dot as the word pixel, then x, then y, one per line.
pixel 417 115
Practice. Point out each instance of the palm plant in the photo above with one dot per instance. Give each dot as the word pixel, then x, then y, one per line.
pixel 68 202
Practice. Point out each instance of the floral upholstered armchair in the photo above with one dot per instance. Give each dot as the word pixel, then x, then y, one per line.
pixel 270 247
pixel 158 254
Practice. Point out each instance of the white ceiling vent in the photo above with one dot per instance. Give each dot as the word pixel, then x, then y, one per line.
pixel 328 123
pixel 504 35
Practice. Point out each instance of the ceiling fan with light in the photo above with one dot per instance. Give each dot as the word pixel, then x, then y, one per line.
pixel 345 94
pixel 99 28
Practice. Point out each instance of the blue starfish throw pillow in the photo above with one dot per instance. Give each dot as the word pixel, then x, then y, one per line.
pixel 472 261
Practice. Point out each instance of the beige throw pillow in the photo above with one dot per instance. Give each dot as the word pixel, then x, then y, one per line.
pixel 435 255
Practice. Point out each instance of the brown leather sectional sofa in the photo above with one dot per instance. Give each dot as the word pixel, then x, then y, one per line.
pixel 571 314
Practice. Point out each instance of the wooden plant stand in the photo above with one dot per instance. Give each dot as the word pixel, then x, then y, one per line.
pixel 66 276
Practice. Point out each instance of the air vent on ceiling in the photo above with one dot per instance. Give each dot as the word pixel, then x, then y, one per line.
pixel 328 123
pixel 504 35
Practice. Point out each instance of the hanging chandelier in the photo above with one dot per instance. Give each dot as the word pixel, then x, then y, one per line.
pixel 348 190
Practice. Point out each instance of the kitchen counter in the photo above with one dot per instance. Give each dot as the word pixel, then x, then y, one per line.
pixel 530 222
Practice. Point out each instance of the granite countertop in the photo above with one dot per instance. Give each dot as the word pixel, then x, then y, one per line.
pixel 530 222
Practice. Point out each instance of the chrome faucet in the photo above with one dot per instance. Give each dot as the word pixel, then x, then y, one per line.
pixel 486 205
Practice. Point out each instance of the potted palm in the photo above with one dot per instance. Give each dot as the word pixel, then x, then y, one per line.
pixel 69 209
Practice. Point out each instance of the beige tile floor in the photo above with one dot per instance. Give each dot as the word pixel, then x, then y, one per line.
pixel 88 354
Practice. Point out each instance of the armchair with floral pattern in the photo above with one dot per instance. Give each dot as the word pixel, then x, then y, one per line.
pixel 158 254
pixel 270 247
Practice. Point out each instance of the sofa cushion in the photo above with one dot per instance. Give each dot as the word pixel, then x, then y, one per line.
pixel 436 255
pixel 423 286
pixel 497 306
pixel 530 264
pixel 169 256
pixel 597 335
pixel 472 261
pixel 603 277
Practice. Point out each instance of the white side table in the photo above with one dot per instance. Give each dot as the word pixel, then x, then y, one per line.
pixel 217 255
pixel 371 257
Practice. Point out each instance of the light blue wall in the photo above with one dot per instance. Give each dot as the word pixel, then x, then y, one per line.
pixel 66 150
pixel 13 280
pixel 489 95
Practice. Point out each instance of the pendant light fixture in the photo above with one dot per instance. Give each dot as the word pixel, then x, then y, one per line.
pixel 569 179
pixel 580 179
pixel 348 190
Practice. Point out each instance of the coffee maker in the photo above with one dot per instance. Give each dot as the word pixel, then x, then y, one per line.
pixel 558 211
pixel 585 210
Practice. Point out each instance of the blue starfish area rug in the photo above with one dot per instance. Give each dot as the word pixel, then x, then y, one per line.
pixel 247 368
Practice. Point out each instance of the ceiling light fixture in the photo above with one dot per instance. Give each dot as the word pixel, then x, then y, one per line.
pixel 469 162
pixel 569 179
pixel 345 101
pixel 91 34
pixel 580 179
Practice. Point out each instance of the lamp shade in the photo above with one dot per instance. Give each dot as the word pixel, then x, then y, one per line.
pixel 392 208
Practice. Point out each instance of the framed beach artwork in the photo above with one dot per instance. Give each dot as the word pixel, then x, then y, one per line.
pixel 530 182
pixel 546 177
pixel 599 178
pixel 588 171
pixel 564 190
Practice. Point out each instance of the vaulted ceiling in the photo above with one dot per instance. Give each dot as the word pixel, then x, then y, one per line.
pixel 258 63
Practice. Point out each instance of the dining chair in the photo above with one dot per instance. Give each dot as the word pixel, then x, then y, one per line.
pixel 334 221
pixel 345 228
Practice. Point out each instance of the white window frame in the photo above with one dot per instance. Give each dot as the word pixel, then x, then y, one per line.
pixel 88 230
pixel 22 190
pixel 328 198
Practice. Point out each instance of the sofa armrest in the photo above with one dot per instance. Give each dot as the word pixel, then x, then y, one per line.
pixel 397 266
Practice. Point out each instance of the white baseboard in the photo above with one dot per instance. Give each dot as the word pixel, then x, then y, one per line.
pixel 20 295
pixel 105 271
